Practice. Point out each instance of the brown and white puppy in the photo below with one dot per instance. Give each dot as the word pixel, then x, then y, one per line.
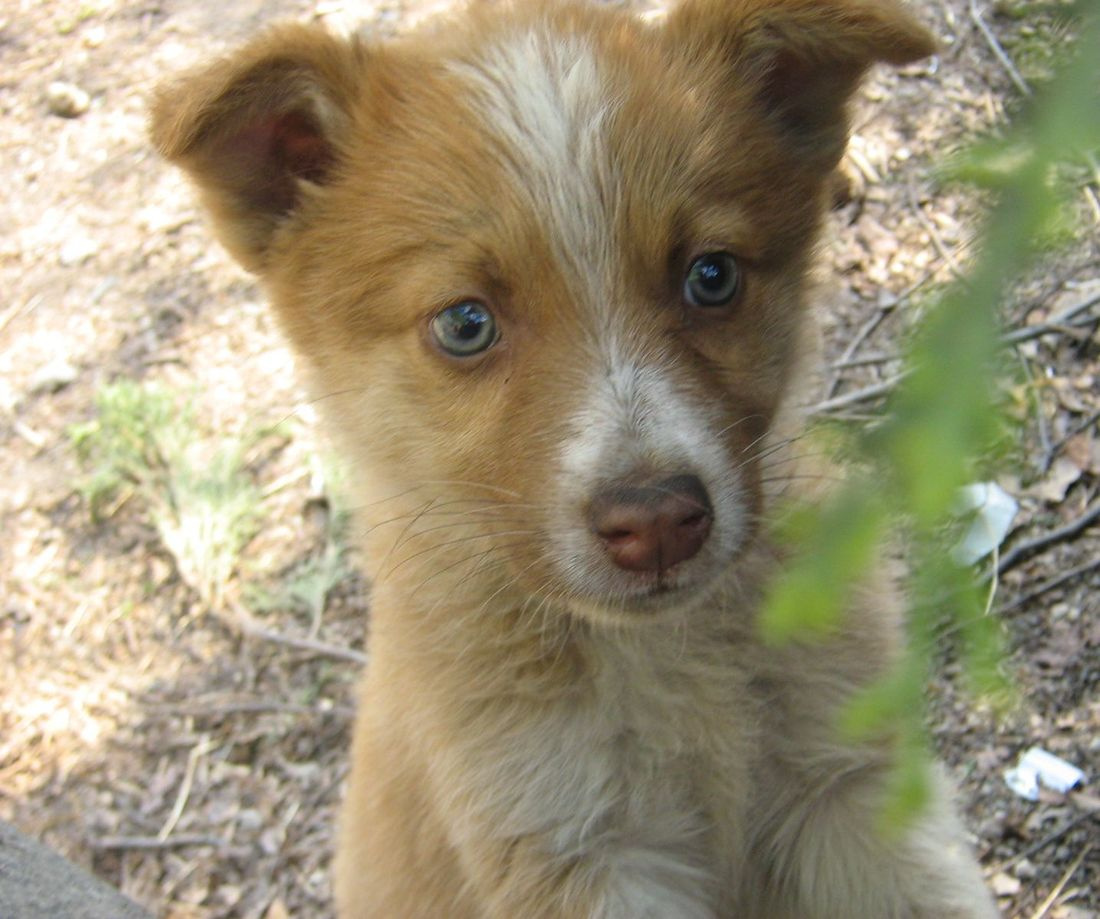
pixel 545 265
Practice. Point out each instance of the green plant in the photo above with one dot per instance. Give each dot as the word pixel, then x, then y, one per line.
pixel 941 418
pixel 143 446
pixel 307 587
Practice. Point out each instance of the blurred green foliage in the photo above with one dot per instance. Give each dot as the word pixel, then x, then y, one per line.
pixel 940 421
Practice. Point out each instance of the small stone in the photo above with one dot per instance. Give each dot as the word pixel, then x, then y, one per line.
pixel 76 250
pixel 1005 885
pixel 1025 870
pixel 53 376
pixel 67 100
pixel 94 36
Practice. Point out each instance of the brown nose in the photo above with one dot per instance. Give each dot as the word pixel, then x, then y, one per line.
pixel 654 526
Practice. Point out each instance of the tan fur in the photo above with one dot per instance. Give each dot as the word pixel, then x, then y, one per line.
pixel 539 736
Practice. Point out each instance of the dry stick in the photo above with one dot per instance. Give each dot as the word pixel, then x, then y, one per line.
pixel 1077 429
pixel 155 842
pixel 1025 550
pixel 1049 585
pixel 218 709
pixel 1053 836
pixel 1025 89
pixel 937 241
pixel 1062 323
pixel 247 623
pixel 865 330
pixel 1045 906
pixel 200 749
pixel 1040 418
pixel 868 360
pixel 857 395
pixel 998 50
pixel 18 309
pixel 873 323
pixel 1054 324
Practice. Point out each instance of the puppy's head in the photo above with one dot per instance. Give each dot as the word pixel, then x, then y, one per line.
pixel 545 265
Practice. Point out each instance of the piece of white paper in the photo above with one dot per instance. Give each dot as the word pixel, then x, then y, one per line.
pixel 993 511
pixel 1038 767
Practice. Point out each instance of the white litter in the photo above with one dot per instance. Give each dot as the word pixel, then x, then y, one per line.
pixel 1038 767
pixel 993 509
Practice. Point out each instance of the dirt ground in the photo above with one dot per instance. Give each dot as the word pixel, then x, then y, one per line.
pixel 197 765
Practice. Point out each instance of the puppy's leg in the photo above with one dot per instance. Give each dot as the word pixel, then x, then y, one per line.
pixel 565 841
pixel 818 813
pixel 830 856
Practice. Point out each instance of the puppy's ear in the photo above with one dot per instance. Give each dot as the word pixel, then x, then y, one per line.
pixel 802 59
pixel 251 129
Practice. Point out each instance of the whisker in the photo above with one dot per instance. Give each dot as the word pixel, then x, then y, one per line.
pixel 477 555
pixel 438 547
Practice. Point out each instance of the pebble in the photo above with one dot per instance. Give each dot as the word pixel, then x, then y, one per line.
pixel 53 376
pixel 1004 885
pixel 76 250
pixel 67 100
pixel 1025 870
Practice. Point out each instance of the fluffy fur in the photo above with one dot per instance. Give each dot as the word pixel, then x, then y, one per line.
pixel 543 733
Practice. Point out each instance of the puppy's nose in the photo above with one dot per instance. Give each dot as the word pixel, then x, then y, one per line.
pixel 652 527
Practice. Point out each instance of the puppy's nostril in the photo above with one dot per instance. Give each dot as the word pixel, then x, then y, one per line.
pixel 651 527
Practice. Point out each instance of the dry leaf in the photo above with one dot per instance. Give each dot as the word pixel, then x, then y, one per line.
pixel 1069 396
pixel 1084 451
pixel 1062 475
pixel 277 910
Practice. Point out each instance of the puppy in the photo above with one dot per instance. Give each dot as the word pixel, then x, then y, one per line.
pixel 546 267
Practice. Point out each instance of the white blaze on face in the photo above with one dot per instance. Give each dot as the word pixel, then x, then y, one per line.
pixel 636 420
pixel 543 98
pixel 546 104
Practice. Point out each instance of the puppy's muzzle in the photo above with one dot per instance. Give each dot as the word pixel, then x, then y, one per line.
pixel 652 526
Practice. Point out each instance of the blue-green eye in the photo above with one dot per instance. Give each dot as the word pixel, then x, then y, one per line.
pixel 465 329
pixel 712 280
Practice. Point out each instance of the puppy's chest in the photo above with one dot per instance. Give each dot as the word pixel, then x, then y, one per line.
pixel 666 701
pixel 655 752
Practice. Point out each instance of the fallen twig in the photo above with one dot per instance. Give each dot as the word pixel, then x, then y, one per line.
pixel 1054 324
pixel 1052 584
pixel 248 624
pixel 998 50
pixel 155 842
pixel 1051 837
pixel 1075 430
pixel 249 707
pixel 1052 897
pixel 883 310
pixel 1040 418
pixel 200 749
pixel 873 391
pixel 1025 550
pixel 868 360
pixel 933 234
pixel 16 310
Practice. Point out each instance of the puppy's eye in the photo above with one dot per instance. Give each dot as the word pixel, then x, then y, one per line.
pixel 712 280
pixel 465 329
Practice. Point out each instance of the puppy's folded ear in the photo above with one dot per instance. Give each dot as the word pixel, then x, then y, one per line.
pixel 252 129
pixel 802 59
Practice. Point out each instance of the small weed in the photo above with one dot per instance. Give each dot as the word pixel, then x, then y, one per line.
pixel 1039 38
pixel 205 507
pixel 307 587
pixel 70 24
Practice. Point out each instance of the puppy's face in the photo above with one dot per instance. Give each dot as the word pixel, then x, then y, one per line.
pixel 546 269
